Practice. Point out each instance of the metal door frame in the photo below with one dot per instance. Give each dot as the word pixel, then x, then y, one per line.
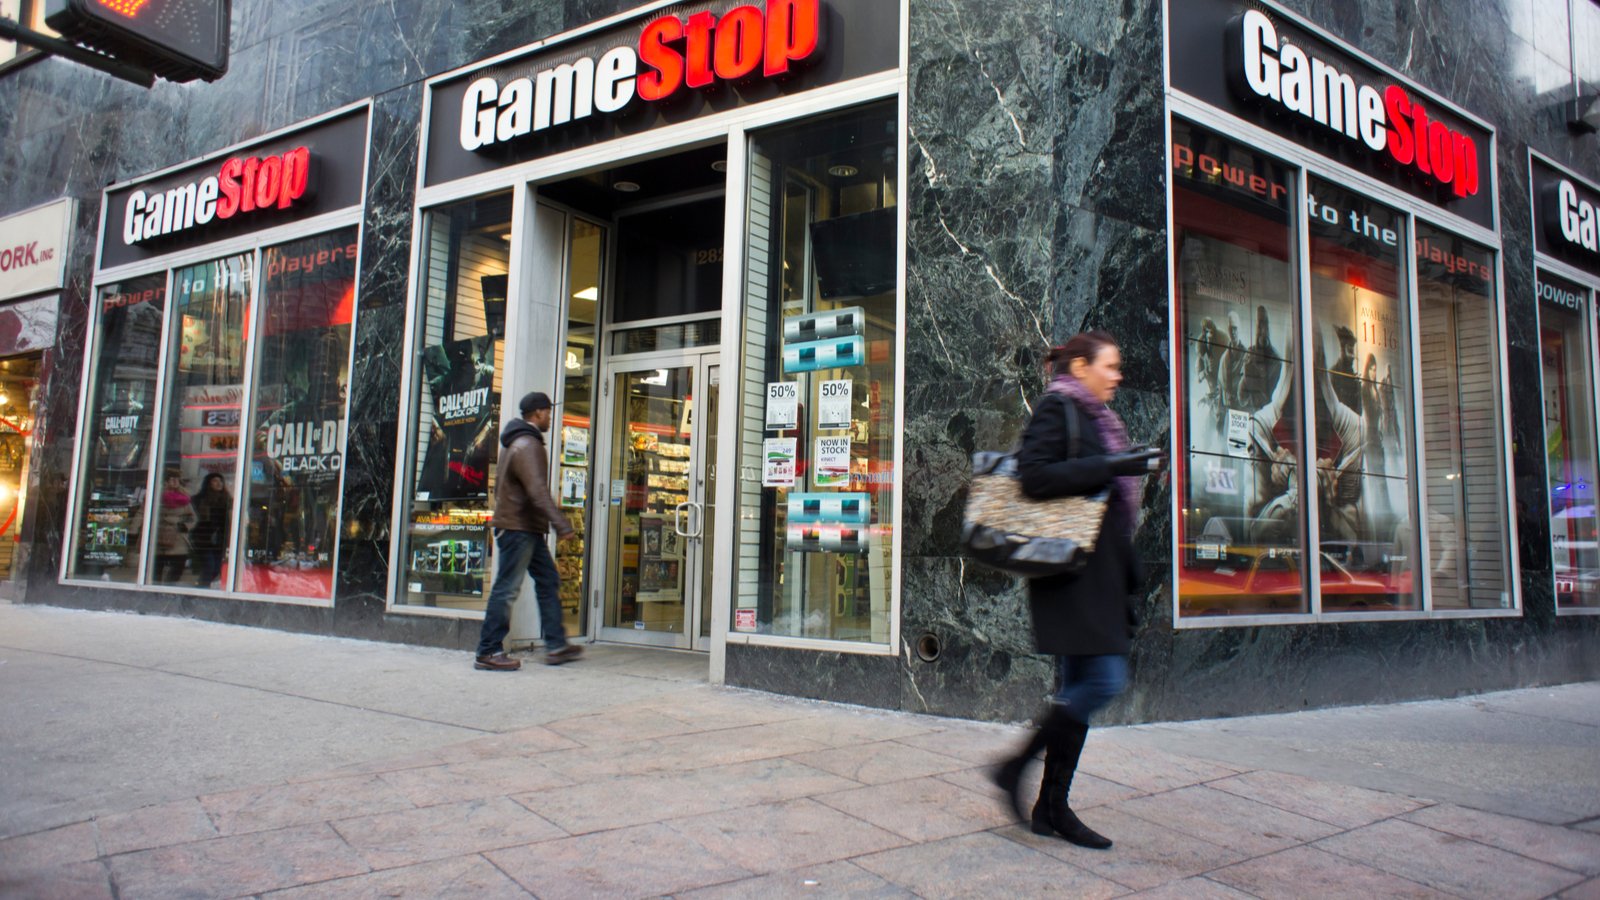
pixel 700 361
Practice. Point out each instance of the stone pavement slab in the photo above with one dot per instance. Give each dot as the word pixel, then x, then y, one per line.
pixel 1448 863
pixel 985 865
pixel 1309 872
pixel 642 861
pixel 461 878
pixel 614 779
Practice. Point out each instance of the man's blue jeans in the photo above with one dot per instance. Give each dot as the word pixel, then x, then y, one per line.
pixel 517 552
pixel 1086 683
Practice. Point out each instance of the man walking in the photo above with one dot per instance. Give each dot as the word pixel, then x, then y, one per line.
pixel 524 512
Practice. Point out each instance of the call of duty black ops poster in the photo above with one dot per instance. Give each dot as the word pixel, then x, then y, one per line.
pixel 462 445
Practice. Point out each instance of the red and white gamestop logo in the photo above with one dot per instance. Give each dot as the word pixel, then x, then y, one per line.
pixel 674 54
pixel 1284 74
pixel 241 185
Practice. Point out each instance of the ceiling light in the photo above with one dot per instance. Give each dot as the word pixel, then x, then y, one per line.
pixel 627 187
pixel 588 293
pixel 720 165
pixel 843 171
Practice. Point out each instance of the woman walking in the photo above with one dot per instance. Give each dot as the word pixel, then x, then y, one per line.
pixel 213 507
pixel 1076 446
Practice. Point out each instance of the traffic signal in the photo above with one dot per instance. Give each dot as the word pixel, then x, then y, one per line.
pixel 180 40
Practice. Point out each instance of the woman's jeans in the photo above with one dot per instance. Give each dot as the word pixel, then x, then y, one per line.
pixel 1086 683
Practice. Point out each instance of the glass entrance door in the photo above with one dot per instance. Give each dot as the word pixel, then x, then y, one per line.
pixel 659 483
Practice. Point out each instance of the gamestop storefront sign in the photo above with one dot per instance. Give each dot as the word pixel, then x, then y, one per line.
pixel 1566 216
pixel 281 180
pixel 673 65
pixel 1266 68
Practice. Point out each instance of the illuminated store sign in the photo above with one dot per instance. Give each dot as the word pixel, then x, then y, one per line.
pixel 1267 68
pixel 670 66
pixel 1387 121
pixel 1566 216
pixel 294 176
pixel 241 185
pixel 671 54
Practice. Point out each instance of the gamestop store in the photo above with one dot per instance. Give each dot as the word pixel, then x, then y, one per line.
pixel 684 227
pixel 210 447
pixel 784 266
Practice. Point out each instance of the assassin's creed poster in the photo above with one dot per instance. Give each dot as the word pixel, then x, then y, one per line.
pixel 462 443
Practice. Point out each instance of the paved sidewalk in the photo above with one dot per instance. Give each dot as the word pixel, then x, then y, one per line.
pixel 151 757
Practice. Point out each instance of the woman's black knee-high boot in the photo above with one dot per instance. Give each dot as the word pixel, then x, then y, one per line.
pixel 1067 747
pixel 1008 775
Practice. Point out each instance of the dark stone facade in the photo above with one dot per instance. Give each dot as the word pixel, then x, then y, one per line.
pixel 1036 202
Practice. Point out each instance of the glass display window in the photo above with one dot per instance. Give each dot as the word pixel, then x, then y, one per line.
pixel 199 450
pixel 455 404
pixel 1239 475
pixel 573 434
pixel 1567 367
pixel 19 397
pixel 109 522
pixel 302 377
pixel 1361 366
pixel 820 378
pixel 1368 413
pixel 1463 437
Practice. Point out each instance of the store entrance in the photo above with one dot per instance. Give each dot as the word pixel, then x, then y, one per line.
pixel 653 560
pixel 641 283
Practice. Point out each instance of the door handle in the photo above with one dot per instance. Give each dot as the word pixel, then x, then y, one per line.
pixel 677 519
pixel 699 520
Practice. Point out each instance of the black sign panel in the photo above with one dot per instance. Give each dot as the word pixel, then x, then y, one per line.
pixel 1566 217
pixel 599 86
pixel 291 177
pixel 1260 65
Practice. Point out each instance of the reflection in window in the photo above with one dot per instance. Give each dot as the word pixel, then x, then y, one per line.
pixel 816 496
pixel 1239 478
pixel 456 403
pixel 1463 450
pixel 1566 356
pixel 116 453
pixel 1361 365
pixel 199 453
pixel 297 452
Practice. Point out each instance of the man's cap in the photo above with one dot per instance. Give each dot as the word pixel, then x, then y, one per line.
pixel 535 401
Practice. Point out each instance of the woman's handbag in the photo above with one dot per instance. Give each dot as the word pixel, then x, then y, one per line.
pixel 1006 529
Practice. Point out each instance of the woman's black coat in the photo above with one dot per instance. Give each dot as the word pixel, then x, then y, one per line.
pixel 1089 612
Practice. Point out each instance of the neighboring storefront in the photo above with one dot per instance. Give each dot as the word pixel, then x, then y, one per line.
pixel 214 401
pixel 33 259
pixel 1566 223
pixel 695 216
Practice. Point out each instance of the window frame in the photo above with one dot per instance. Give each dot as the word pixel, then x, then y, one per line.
pixel 1307 166
pixel 1591 281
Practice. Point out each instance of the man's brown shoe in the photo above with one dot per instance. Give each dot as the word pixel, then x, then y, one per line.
pixel 564 654
pixel 498 663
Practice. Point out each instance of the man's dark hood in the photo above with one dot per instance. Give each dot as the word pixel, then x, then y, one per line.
pixel 518 428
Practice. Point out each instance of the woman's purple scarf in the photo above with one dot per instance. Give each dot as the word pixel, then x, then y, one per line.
pixel 1113 435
